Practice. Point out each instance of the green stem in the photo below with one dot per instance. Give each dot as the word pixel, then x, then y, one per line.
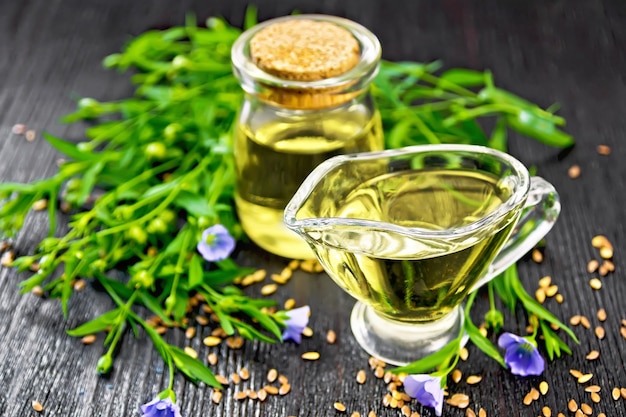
pixel 179 267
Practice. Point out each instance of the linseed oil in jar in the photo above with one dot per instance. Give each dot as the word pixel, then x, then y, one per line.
pixel 306 80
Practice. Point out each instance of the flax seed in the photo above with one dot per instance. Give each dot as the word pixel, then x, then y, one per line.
pixel 595 397
pixel 559 298
pixel 603 270
pixel 278 279
pixel 235 378
pixel 221 379
pixel 622 392
pixel 545 281
pixel 603 150
pixel 600 241
pixel 537 256
pixel 585 378
pixel 355 414
pixel 161 330
pixel 40 205
pixel 622 331
pixel 592 266
pixel 473 379
pixel 211 341
pixel 331 337
pixel 552 290
pixel 371 414
pixel 457 375
pixel 241 395
pixel 575 373
pixel 191 352
pixel 311 356
pixel 252 394
pixel 585 322
pixel 601 314
pixel 212 359
pixel 7 258
pixel 594 354
pixel 482 412
pixel 534 393
pixel 600 332
pixel 593 388
pixel 270 389
pixel 456 400
pixel 284 389
pixel 269 289
pixel 601 415
pixel 413 414
pixel 261 395
pixel 528 399
pixel 610 266
pixel 595 283
pixel 574 171
pixel 37 290
pixel 543 387
pixel 379 372
pixel 244 374
pixel 216 397
pixel 579 413
pixel 190 332
pixel 259 275
pixel 540 295
pixel 406 411
pixel 37 406
pixel 290 303
pixel 547 412
pixel 361 377
pixel 307 332
pixel 606 252
pixel 282 379
pixel 235 342
pixel 586 408
pixel 89 339
pixel 615 394
pixel 219 332
pixel 572 406
pixel 464 354
pixel 30 135
pixel 387 400
pixel 272 374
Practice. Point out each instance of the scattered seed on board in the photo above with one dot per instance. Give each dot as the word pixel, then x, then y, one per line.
pixel 241 395
pixel 540 295
pixel 307 332
pixel 202 321
pixel 601 314
pixel 191 352
pixel 406 411
pixel 261 394
pixel 547 412
pixel 585 378
pixel 603 150
pixel 235 378
pixel 552 290
pixel 211 341
pixel 212 358
pixel 339 407
pixel 585 322
pixel 543 387
pixel 244 374
pixel 282 379
pixel 579 413
pixel 89 339
pixel 331 337
pixel 272 374
pixel 622 331
pixel 37 406
pixel 595 283
pixel 575 373
pixel 221 379
pixel 190 332
pixel 361 377
pixel 592 266
pixel 30 135
pixel 284 389
pixel 545 281
pixel 572 406
pixel 559 298
pixel 270 389
pixel 594 354
pixel 458 400
pixel 537 256
pixel 606 252
pixel 216 397
pixel 534 393
pixel 595 397
pixel 269 289
pixel 379 372
pixel 18 129
pixel 473 379
pixel 586 408
pixel 482 412
pixel 574 171
pixel 290 303
pixel 457 375
pixel 599 332
pixel 311 356
pixel 464 354
pixel 40 204
pixel 371 414
pixel 252 394
pixel 615 393
pixel 234 342
pixel 622 392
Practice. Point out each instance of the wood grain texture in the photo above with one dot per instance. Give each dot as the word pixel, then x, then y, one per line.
pixel 571 52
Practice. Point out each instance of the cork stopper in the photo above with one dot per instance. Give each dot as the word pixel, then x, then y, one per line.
pixel 304 50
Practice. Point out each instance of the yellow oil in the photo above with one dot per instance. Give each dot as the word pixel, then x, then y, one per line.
pixel 273 159
pixel 405 278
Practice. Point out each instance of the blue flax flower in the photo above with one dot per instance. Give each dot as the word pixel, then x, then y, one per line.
pixel 426 389
pixel 160 408
pixel 216 243
pixel 297 320
pixel 522 356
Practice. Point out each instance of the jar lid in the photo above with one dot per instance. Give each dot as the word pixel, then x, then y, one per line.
pixel 306 61
pixel 304 49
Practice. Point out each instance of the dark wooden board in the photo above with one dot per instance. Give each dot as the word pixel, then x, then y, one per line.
pixel 570 52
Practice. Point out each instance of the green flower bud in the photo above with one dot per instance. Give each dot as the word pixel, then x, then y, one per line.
pixel 143 279
pixel 170 131
pixel 170 302
pixel 123 212
pixel 104 364
pixel 180 62
pixel 137 234
pixel 204 222
pixel 157 226
pixel 168 216
pixel 494 320
pixel 156 151
pixel 98 265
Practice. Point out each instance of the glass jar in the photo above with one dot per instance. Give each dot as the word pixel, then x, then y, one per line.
pixel 307 99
